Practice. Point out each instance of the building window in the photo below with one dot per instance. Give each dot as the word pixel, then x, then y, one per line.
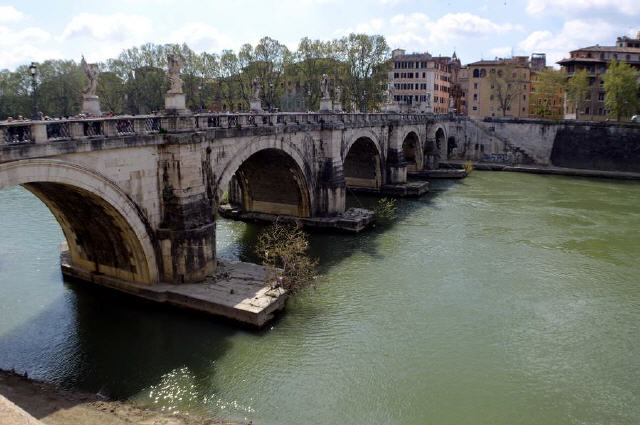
pixel 475 86
pixel 476 73
pixel 475 96
pixel 483 73
pixel 475 108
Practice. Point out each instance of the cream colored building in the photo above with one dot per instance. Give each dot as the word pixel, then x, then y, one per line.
pixel 481 95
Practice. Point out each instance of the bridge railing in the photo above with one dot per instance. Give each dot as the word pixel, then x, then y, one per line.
pixel 25 132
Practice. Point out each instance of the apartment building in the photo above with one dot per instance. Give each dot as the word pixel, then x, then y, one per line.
pixel 596 59
pixel 499 87
pixel 422 82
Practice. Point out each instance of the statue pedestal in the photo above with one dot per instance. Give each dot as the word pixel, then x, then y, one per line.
pixel 175 103
pixel 326 105
pixel 337 107
pixel 255 105
pixel 391 107
pixel 91 105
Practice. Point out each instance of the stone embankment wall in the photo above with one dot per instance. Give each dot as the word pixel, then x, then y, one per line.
pixel 571 144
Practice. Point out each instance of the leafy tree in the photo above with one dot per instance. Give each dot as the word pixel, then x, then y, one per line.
pixel 283 249
pixel 621 89
pixel 506 86
pixel 135 81
pixel 549 88
pixel 366 60
pixel 112 93
pixel 578 89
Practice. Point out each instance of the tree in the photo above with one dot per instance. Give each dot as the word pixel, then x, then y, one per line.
pixel 621 89
pixel 366 61
pixel 506 86
pixel 578 89
pixel 549 89
pixel 112 93
pixel 283 250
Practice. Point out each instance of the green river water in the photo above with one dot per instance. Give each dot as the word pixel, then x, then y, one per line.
pixel 503 299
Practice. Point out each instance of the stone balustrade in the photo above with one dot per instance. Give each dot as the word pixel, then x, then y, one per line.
pixel 25 132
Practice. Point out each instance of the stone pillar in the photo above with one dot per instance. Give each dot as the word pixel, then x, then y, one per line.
pixel 396 166
pixel 331 181
pixel 255 105
pixel 175 103
pixel 326 104
pixel 186 234
pixel 91 105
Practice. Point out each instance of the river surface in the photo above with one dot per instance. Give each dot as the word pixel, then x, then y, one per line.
pixel 503 299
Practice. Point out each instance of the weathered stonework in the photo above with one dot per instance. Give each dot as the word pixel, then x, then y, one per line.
pixel 136 196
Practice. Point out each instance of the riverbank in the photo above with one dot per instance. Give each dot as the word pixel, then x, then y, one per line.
pixel 52 406
pixel 539 169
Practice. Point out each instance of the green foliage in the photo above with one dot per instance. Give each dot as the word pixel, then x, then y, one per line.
pixel 549 88
pixel 578 89
pixel 135 81
pixel 468 167
pixel 283 249
pixel 621 90
pixel 385 211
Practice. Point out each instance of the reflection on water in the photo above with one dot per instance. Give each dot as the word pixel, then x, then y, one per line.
pixel 505 298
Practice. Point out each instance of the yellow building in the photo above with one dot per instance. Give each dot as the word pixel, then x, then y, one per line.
pixel 499 87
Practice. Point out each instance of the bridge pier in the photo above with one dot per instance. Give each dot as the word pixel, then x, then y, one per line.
pixel 186 234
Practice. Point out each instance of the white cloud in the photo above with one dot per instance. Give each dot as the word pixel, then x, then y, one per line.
pixel 626 7
pixel 575 33
pixel 372 26
pixel 19 46
pixel 116 27
pixel 201 37
pixel 10 14
pixel 420 31
pixel 501 52
pixel 463 25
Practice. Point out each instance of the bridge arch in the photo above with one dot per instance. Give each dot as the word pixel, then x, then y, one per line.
pixel 412 151
pixel 105 231
pixel 271 178
pixel 362 162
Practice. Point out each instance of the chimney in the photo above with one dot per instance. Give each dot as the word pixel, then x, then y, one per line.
pixel 638 35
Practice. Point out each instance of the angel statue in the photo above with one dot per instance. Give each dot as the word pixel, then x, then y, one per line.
pixel 338 93
pixel 174 62
pixel 91 71
pixel 324 86
pixel 255 88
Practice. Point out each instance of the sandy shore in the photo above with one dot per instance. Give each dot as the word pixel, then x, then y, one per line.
pixel 54 406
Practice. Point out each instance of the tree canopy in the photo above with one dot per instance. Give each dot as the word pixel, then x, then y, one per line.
pixel 621 90
pixel 135 81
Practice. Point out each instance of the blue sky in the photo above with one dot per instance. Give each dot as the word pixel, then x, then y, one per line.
pixel 37 29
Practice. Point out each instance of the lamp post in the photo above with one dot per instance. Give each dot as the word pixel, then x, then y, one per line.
pixel 363 108
pixel 33 70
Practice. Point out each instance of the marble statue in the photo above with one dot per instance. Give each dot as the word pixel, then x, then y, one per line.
pixel 91 71
pixel 175 63
pixel 324 86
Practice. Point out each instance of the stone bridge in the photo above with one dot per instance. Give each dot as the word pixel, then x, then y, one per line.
pixel 136 195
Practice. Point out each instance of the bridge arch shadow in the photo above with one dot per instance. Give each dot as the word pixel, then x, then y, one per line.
pixel 269 179
pixel 105 232
pixel 411 150
pixel 362 164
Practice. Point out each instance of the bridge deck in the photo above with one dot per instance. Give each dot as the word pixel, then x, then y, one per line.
pixel 237 292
